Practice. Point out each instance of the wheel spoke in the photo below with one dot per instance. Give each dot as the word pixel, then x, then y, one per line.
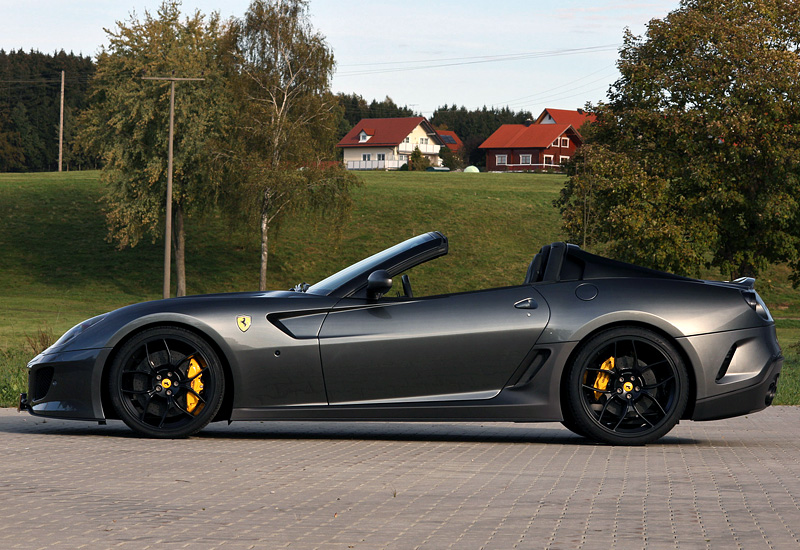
pixel 635 356
pixel 642 416
pixel 174 403
pixel 654 400
pixel 166 412
pixel 654 386
pixel 169 353
pixel 604 409
pixel 651 365
pixel 621 418
pixel 136 392
pixel 146 406
pixel 197 395
pixel 597 369
pixel 147 357
pixel 186 359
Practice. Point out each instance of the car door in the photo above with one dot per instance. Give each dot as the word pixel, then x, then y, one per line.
pixel 438 348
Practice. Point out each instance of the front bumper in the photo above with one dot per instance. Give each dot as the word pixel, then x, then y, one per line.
pixel 66 384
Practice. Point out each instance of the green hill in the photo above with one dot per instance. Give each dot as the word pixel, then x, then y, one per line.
pixel 57 268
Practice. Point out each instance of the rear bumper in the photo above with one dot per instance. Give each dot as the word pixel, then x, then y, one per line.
pixel 757 396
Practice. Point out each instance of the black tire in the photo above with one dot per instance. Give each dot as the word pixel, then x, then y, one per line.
pixel 627 386
pixel 570 424
pixel 166 382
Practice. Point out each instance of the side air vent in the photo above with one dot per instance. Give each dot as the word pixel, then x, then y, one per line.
pixel 41 382
pixel 529 367
pixel 726 364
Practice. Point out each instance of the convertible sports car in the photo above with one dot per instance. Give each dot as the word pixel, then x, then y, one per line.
pixel 617 353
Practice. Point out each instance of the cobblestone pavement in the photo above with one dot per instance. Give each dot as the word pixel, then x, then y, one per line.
pixel 725 484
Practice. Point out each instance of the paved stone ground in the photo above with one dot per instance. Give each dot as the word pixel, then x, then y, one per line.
pixel 725 484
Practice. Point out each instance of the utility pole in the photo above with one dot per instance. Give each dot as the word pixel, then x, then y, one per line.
pixel 168 231
pixel 61 126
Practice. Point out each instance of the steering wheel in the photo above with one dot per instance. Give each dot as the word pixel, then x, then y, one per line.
pixel 407 286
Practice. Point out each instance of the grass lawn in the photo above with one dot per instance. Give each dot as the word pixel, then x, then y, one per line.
pixel 57 268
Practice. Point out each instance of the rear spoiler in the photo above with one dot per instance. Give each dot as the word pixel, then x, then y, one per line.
pixel 745 282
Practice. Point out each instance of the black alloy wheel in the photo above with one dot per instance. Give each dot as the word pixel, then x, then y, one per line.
pixel 627 386
pixel 166 382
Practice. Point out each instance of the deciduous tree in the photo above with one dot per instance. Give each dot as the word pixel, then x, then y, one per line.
pixel 128 122
pixel 287 120
pixel 695 158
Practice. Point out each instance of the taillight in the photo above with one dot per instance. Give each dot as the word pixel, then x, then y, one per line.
pixel 754 301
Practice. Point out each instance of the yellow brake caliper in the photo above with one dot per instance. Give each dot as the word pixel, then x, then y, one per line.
pixel 196 384
pixel 602 379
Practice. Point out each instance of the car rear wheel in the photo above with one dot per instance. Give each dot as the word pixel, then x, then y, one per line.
pixel 166 382
pixel 627 386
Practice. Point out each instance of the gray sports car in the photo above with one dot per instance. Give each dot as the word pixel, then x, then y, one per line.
pixel 617 353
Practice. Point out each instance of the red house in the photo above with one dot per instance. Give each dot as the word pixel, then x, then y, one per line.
pixel 528 147
pixel 450 139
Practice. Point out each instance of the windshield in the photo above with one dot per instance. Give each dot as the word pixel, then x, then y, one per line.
pixel 365 266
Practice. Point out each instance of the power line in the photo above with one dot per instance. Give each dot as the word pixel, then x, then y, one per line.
pixel 456 61
pixel 566 85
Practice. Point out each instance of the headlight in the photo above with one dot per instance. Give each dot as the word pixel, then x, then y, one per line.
pixel 76 330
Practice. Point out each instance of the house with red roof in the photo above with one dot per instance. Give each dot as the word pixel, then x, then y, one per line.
pixel 387 143
pixel 450 139
pixel 529 146
pixel 575 118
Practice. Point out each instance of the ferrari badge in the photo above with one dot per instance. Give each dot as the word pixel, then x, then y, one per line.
pixel 243 322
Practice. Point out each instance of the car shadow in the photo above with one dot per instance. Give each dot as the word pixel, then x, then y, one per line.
pixel 370 431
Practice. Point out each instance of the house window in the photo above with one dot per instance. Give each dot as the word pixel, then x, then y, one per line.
pixel 501 160
pixel 407 140
pixel 423 141
pixel 564 142
pixel 563 158
pixel 402 158
pixel 524 159
pixel 362 137
pixel 548 159
pixel 366 156
pixel 382 156
pixel 555 143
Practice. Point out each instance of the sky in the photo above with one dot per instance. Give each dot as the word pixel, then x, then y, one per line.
pixel 527 55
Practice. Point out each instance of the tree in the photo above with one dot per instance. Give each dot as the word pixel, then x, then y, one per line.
pixel 30 104
pixel 128 122
pixel 695 159
pixel 12 157
pixel 450 159
pixel 287 120
pixel 418 161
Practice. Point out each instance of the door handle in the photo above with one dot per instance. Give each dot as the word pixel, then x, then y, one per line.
pixel 527 303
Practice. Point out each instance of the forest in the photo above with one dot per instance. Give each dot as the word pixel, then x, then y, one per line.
pixel 30 86
pixel 30 90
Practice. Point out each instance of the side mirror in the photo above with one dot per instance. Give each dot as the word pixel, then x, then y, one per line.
pixel 378 283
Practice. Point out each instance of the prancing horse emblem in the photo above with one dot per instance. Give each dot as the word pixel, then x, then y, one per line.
pixel 243 322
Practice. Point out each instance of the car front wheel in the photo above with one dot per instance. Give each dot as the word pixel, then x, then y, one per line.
pixel 166 382
pixel 627 386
